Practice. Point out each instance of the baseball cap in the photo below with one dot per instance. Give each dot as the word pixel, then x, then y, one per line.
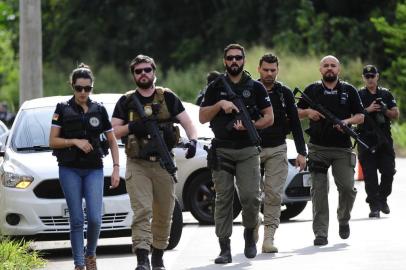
pixel 369 69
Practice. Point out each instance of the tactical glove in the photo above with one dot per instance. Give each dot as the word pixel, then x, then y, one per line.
pixel 191 149
pixel 137 128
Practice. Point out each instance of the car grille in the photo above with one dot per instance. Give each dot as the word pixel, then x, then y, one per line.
pixel 296 188
pixel 51 189
pixel 61 224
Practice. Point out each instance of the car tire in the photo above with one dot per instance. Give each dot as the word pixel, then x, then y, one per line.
pixel 176 228
pixel 290 210
pixel 202 197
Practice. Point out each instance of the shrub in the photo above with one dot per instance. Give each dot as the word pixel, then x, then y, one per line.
pixel 17 255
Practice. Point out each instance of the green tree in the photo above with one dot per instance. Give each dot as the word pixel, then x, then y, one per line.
pixel 394 37
pixel 8 63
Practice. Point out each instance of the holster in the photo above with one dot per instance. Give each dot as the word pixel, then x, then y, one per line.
pixel 212 160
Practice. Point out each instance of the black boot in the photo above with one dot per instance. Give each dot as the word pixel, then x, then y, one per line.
pixel 156 259
pixel 250 250
pixel 225 253
pixel 142 259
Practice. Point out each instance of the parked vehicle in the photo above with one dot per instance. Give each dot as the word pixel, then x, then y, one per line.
pixel 32 203
pixel 3 133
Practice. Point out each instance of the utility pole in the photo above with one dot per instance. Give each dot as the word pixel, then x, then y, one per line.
pixel 30 50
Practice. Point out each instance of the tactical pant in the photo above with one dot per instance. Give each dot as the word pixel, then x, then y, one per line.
pixel 152 195
pixel 276 170
pixel 342 161
pixel 244 164
pixel 384 161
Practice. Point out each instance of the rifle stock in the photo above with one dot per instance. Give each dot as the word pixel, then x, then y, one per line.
pixel 165 160
pixel 243 115
pixel 332 118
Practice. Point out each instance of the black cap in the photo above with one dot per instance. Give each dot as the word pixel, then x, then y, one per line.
pixel 369 69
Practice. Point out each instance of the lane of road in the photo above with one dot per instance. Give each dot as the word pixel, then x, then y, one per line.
pixel 374 243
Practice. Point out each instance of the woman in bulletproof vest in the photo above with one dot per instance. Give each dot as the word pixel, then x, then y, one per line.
pixel 77 128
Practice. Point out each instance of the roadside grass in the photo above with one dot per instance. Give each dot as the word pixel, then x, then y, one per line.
pixel 399 138
pixel 17 255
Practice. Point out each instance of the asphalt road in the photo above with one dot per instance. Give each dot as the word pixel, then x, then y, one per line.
pixel 374 244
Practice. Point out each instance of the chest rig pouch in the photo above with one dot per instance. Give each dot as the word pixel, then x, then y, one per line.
pixel 157 110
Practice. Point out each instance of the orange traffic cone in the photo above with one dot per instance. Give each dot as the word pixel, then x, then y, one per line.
pixel 359 175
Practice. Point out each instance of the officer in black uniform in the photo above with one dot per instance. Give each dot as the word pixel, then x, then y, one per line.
pixel 75 137
pixel 380 110
pixel 274 149
pixel 329 146
pixel 232 152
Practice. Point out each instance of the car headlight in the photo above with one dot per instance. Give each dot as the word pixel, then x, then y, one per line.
pixel 14 180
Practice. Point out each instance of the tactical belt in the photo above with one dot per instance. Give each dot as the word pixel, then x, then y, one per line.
pixel 231 144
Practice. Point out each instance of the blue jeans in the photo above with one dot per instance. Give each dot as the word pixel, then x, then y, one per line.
pixel 77 184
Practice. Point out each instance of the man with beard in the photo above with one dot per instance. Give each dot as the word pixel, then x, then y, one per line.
pixel 329 146
pixel 380 110
pixel 150 187
pixel 232 151
pixel 274 151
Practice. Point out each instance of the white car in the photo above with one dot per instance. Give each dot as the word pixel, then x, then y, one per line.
pixel 32 202
pixel 3 133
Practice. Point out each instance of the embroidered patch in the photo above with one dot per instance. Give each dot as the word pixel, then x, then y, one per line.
pixel 94 121
pixel 55 117
pixel 246 93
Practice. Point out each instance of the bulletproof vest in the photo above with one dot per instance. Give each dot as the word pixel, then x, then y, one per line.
pixel 77 125
pixel 368 130
pixel 336 102
pixel 281 126
pixel 222 120
pixel 157 110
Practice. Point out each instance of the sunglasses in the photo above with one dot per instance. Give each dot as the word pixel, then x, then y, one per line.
pixel 140 70
pixel 79 88
pixel 236 57
pixel 369 76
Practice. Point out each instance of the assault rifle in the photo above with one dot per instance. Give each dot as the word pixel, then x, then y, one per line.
pixel 165 158
pixel 243 115
pixel 332 118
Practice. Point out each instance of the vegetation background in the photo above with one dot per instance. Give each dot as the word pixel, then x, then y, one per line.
pixel 187 37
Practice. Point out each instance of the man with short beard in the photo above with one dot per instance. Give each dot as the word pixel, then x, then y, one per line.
pixel 274 151
pixel 232 151
pixel 329 146
pixel 150 187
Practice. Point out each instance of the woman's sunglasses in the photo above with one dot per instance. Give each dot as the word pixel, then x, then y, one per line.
pixel 79 88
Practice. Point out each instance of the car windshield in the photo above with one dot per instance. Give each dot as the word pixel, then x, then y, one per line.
pixel 32 128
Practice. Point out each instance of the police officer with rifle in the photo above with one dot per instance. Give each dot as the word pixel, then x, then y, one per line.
pixel 330 145
pixel 380 110
pixel 145 118
pixel 236 105
pixel 77 126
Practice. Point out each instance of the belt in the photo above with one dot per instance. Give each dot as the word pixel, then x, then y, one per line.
pixel 231 144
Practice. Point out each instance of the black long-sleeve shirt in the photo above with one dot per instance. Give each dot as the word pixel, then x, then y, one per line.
pixel 286 120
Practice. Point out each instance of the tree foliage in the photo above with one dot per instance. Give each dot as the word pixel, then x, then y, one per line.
pixel 8 61
pixel 394 37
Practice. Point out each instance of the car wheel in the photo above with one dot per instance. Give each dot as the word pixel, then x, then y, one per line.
pixel 177 226
pixel 290 210
pixel 202 197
